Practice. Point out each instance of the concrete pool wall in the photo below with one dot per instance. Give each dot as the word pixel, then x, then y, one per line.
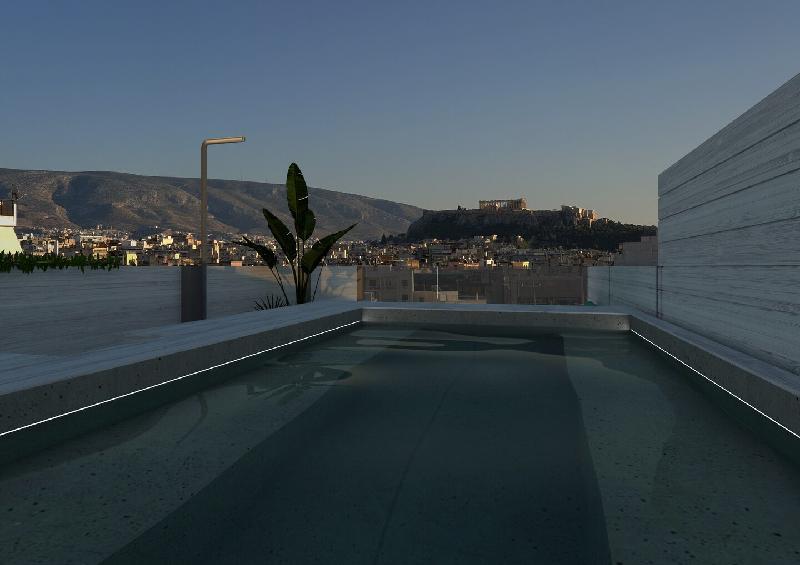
pixel 45 403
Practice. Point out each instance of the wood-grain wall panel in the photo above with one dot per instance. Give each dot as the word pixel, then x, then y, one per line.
pixel 776 243
pixel 772 159
pixel 772 114
pixel 770 335
pixel 778 199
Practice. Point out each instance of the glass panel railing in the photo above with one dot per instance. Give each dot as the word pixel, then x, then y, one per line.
pixel 556 284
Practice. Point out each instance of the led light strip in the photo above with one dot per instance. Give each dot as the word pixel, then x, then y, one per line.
pixel 51 418
pixel 739 398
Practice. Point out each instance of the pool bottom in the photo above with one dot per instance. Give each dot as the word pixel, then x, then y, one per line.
pixel 413 445
pixel 432 451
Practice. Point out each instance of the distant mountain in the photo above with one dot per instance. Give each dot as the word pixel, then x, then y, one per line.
pixel 135 202
pixel 541 228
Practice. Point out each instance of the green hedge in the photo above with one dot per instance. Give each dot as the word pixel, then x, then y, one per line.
pixel 28 263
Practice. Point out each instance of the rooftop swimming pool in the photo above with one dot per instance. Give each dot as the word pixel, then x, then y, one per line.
pixel 401 444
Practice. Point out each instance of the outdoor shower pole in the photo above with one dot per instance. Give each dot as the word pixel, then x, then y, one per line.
pixel 204 187
pixel 193 277
pixel 203 198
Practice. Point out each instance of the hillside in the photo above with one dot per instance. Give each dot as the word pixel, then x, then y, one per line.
pixel 132 202
pixel 545 228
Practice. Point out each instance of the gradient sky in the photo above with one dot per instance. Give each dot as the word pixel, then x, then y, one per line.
pixel 430 103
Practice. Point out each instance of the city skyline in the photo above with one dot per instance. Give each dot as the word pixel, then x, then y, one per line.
pixel 425 105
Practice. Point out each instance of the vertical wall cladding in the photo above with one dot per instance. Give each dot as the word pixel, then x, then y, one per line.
pixel 627 286
pixel 729 233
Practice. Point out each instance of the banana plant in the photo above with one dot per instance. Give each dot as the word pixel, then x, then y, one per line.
pixel 302 257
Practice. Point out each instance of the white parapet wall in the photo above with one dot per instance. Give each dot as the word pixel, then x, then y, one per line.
pixel 729 238
pixel 66 311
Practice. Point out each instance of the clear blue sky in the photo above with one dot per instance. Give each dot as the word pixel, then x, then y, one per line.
pixel 431 103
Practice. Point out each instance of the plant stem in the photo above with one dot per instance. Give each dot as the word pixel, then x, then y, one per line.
pixel 314 296
pixel 277 274
pixel 303 279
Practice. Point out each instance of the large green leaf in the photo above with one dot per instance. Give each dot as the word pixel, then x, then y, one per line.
pixel 305 224
pixel 297 195
pixel 282 235
pixel 267 255
pixel 314 256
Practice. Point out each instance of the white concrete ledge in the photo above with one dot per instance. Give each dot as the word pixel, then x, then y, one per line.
pixel 55 386
pixel 769 389
pixel 530 316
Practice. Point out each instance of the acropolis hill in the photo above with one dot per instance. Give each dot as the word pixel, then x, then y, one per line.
pixel 569 227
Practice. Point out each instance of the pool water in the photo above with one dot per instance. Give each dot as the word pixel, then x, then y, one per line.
pixel 394 444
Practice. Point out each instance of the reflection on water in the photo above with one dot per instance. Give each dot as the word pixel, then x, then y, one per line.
pixel 472 446
pixel 287 391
